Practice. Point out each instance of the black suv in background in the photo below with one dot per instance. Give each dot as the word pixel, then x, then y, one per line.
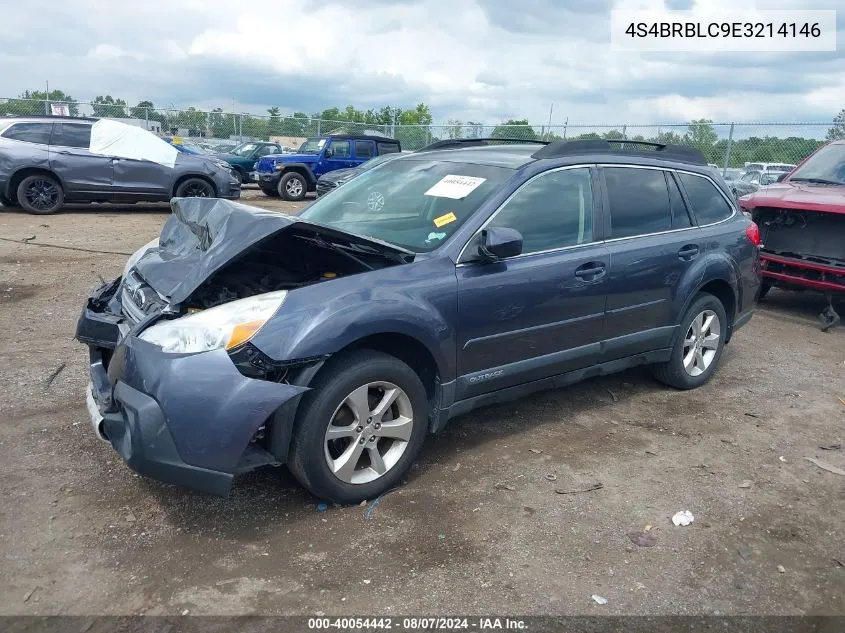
pixel 46 161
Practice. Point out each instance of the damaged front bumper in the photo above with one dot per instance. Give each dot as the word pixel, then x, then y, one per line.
pixel 188 419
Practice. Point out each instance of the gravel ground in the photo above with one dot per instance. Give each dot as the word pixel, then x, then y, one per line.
pixel 477 529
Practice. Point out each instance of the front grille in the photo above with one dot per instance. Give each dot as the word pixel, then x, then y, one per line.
pixel 324 186
pixel 265 164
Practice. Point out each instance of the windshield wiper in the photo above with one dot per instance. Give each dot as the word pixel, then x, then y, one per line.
pixel 337 248
pixel 817 181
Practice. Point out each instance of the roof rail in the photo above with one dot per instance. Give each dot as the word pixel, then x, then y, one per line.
pixel 48 116
pixel 456 143
pixel 600 146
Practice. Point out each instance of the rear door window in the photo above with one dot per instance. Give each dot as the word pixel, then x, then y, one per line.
pixel 708 204
pixel 30 132
pixel 72 135
pixel 364 149
pixel 638 201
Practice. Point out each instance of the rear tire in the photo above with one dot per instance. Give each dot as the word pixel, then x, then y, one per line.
pixel 40 194
pixel 292 187
pixel 701 340
pixel 195 188
pixel 764 289
pixel 329 467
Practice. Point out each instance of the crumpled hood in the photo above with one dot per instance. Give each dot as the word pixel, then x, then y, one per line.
pixel 340 174
pixel 204 234
pixel 799 195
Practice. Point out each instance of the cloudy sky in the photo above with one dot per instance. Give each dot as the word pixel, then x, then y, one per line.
pixel 482 60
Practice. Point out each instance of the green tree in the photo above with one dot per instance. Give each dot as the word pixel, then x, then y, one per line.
pixel 668 138
pixel 515 129
pixel 38 102
pixel 221 125
pixel 454 128
pixel 146 110
pixel 701 135
pixel 838 130
pixel 108 106
pixel 613 135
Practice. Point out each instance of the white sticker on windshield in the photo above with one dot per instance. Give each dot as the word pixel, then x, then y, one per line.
pixel 455 187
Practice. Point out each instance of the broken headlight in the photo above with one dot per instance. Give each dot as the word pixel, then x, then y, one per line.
pixel 224 326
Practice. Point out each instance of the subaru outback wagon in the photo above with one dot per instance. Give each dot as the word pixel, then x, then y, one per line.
pixel 334 341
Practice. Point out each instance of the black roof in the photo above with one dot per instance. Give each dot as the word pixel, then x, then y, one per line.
pixel 643 149
pixel 515 153
pixel 360 137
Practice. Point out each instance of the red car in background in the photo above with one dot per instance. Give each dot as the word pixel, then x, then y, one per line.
pixel 802 226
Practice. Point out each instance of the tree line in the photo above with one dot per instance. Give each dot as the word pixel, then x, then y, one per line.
pixel 412 126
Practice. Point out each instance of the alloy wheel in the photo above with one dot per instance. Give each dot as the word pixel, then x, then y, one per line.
pixel 701 342
pixel 369 432
pixel 293 187
pixel 42 194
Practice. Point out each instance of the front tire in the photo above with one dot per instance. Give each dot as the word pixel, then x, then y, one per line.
pixel 269 191
pixel 359 429
pixel 292 187
pixel 699 347
pixel 764 289
pixel 195 188
pixel 40 194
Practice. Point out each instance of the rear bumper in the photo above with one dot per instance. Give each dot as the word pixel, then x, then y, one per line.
pixel 183 419
pixel 790 271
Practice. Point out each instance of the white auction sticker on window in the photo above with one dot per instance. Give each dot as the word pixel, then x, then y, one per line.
pixel 455 187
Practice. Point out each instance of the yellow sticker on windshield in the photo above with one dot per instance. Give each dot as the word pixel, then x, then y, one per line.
pixel 443 220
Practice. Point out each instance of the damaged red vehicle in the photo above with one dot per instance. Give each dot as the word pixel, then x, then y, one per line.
pixel 802 226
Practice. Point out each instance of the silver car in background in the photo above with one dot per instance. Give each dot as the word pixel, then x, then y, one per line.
pixel 47 161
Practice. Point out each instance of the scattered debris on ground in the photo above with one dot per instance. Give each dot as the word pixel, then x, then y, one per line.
pixel 595 486
pixel 683 518
pixel 825 466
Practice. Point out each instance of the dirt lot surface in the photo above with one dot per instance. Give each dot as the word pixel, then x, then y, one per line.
pixel 477 529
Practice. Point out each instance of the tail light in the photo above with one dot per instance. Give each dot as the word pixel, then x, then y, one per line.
pixel 752 232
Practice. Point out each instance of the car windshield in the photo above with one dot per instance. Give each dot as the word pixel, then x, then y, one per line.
pixel 312 146
pixel 413 203
pixel 244 149
pixel 750 176
pixel 825 166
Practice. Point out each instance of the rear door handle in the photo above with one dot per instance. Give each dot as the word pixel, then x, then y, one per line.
pixel 688 252
pixel 591 271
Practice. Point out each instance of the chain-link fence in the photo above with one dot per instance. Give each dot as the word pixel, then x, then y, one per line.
pixel 723 144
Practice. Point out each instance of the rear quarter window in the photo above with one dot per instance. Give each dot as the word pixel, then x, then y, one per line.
pixel 29 132
pixel 708 203
pixel 388 148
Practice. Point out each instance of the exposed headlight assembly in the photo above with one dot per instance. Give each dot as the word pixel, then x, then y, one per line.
pixel 224 326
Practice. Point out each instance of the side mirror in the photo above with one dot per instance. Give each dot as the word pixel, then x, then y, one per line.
pixel 782 176
pixel 498 243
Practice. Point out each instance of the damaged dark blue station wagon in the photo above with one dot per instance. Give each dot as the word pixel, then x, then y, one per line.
pixel 461 275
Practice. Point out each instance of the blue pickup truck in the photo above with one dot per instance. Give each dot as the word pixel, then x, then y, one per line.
pixel 291 176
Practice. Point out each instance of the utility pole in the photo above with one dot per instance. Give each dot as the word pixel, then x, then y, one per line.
pixel 47 98
pixel 551 109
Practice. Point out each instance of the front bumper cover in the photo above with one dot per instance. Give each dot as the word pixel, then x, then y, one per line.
pixel 183 419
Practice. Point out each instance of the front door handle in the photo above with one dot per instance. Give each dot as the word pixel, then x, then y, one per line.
pixel 688 252
pixel 591 271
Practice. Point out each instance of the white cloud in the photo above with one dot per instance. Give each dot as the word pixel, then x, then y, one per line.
pixel 480 60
